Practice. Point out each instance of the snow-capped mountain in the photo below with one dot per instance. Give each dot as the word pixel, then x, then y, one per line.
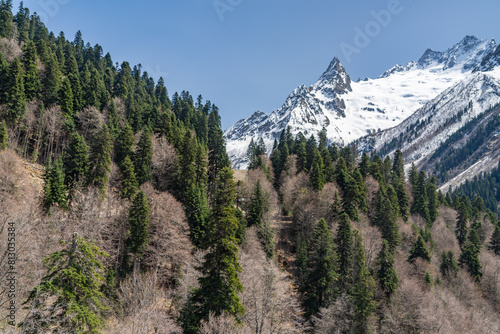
pixel 351 110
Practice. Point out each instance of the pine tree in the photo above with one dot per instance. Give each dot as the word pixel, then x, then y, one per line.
pixel 217 155
pixel 449 266
pixel 398 167
pixel 469 258
pixel 143 158
pixel 138 219
pixel 362 189
pixel 129 181
pixel 351 197
pixel 14 95
pixel 364 288
pixel 256 211
pixel 413 175
pixel 54 190
pixel 365 165
pixel 69 297
pixel 6 20
pixel 495 241
pixel 31 81
pixel 317 172
pixel 322 270
pixel 51 82
pixel 66 99
pixel 124 144
pixel 386 220
pixel 433 202
pixel 100 159
pixel 197 214
pixel 461 229
pixel 301 163
pixel 386 273
pixel 420 197
pixel 3 136
pixel 403 200
pixel 419 250
pixel 219 282
pixel 344 244
pixel 76 160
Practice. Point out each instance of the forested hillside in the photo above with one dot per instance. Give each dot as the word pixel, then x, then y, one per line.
pixel 119 213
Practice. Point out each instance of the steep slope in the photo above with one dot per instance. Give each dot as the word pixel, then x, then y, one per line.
pixel 449 122
pixel 350 110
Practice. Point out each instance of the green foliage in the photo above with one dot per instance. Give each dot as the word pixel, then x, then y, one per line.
pixel 217 155
pixel 398 167
pixel 100 159
pixel 258 207
pixel 419 250
pixel 143 158
pixel 51 82
pixel 138 219
pixel 3 136
pixel 68 298
pixel 14 96
pixel 129 181
pixel 317 172
pixel 31 81
pixel 469 258
pixel 403 200
pixel 461 229
pixel 344 243
pixel 495 241
pixel 219 282
pixel 54 189
pixel 76 160
pixel 363 291
pixel 254 154
pixel 365 165
pixel 322 270
pixel 197 214
pixel 66 99
pixel 433 202
pixel 386 273
pixel 124 144
pixel 420 197
pixel 6 19
pixel 386 220
pixel 449 266
pixel 428 279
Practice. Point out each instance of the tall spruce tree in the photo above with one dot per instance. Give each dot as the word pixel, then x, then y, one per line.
pixel 449 266
pixel 129 181
pixel 124 144
pixel 219 281
pixel 386 220
pixel 322 263
pixel 100 159
pixel 76 159
pixel 419 250
pixel 495 240
pixel 344 243
pixel 217 155
pixel 138 220
pixel 143 157
pixel 14 96
pixel 54 190
pixel 364 288
pixel 387 274
pixel 420 197
pixel 433 202
pixel 317 172
pixel 31 80
pixel 461 229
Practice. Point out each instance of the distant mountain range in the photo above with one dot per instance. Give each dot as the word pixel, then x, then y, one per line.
pixel 415 107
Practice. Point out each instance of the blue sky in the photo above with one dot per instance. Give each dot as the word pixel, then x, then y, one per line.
pixel 248 55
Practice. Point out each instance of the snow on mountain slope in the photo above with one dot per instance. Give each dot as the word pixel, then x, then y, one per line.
pixel 422 133
pixel 350 110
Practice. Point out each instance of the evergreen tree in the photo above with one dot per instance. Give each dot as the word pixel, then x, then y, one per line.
pixel 386 273
pixel 51 82
pixel 362 189
pixel 449 266
pixel 322 270
pixel 256 211
pixel 76 159
pixel 100 159
pixel 124 145
pixel 413 175
pixel 327 162
pixel 66 99
pixel 420 197
pixel 419 250
pixel 398 167
pixel 317 172
pixel 54 190
pixel 365 165
pixel 386 220
pixel 301 163
pixel 433 202
pixel 31 81
pixel 6 19
pixel 143 158
pixel 217 155
pixel 469 258
pixel 197 214
pixel 219 282
pixel 68 299
pixel 344 245
pixel 351 197
pixel 129 181
pixel 138 219
pixel 3 136
pixel 461 229
pixel 187 167
pixel 403 200
pixel 495 241
pixel 364 288
pixel 14 96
